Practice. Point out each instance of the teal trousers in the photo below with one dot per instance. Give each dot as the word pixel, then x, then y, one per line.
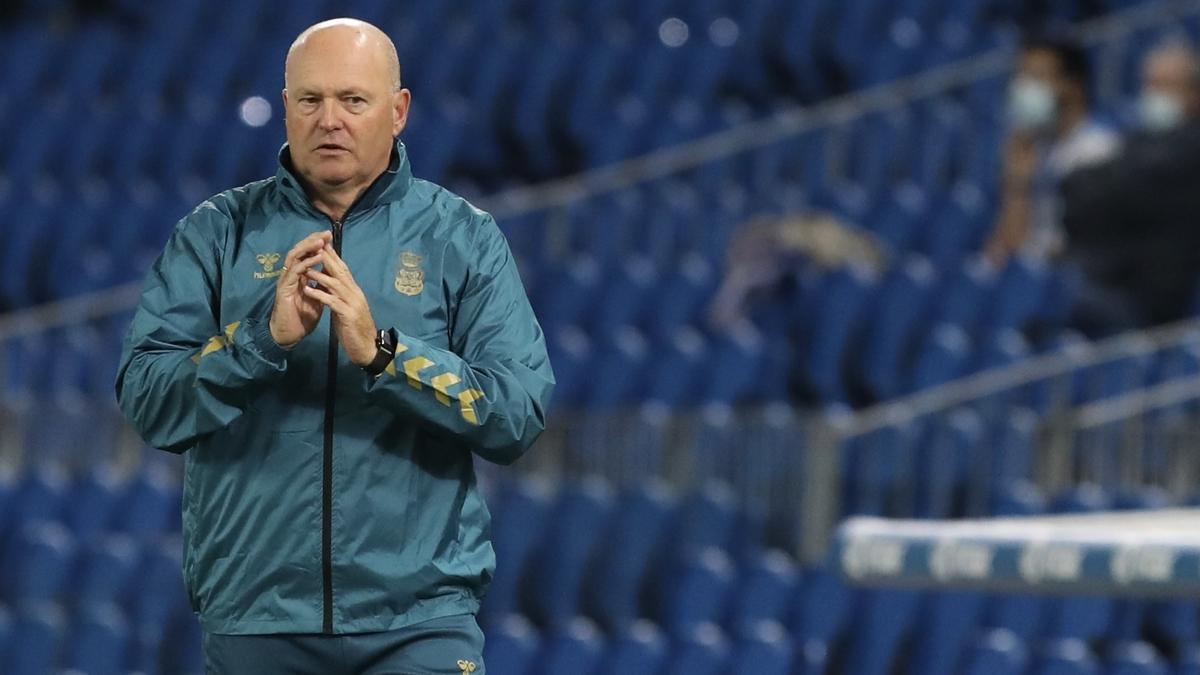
pixel 448 646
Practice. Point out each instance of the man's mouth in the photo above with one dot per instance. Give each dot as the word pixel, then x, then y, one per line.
pixel 331 147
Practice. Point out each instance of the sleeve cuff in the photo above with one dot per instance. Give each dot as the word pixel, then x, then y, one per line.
pixel 265 343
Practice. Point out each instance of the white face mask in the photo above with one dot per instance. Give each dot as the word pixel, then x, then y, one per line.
pixel 1031 105
pixel 1159 112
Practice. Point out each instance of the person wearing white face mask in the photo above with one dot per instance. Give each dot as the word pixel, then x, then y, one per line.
pixel 1170 87
pixel 1130 222
pixel 1051 134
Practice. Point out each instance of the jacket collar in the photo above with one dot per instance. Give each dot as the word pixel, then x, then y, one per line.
pixel 390 186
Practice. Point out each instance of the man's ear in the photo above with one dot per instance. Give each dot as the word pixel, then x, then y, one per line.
pixel 283 93
pixel 401 100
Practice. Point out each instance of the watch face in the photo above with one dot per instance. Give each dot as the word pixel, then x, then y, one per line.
pixel 386 341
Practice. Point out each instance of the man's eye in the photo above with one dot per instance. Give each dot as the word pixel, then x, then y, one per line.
pixel 356 100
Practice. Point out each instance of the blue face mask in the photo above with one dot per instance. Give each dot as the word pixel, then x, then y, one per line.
pixel 1159 112
pixel 1031 105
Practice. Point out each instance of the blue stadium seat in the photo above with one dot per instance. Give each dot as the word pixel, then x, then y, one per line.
pixel 1135 658
pixel 1084 618
pixel 765 589
pixel 521 515
pixel 90 508
pixel 997 652
pixel 6 628
pixel 678 371
pixel 1173 622
pixel 702 651
pixel 950 620
pixel 882 628
pixel 41 558
pixel 765 648
pixel 966 294
pixel 1021 293
pixel 1067 656
pixel 149 504
pixel 160 593
pixel 620 572
pixel 823 610
pixel 99 640
pixel 106 569
pixel 39 630
pixel 511 645
pixel 961 222
pixel 944 467
pixel 942 357
pixel 619 369
pixel 899 315
pixel 559 568
pixel 880 471
pixel 638 650
pixel 1022 615
pixel 576 647
pixel 1013 437
pixel 844 297
pixel 1187 660
pixel 698 592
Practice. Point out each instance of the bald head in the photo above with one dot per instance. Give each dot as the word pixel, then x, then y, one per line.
pixel 337 35
pixel 343 109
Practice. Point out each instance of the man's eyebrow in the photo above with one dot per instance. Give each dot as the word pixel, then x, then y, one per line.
pixel 349 91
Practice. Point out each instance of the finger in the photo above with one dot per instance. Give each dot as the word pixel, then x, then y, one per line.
pixel 307 246
pixel 328 282
pixel 295 270
pixel 340 268
pixel 328 299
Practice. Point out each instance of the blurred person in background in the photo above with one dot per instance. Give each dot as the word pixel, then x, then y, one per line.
pixel 331 517
pixel 1052 133
pixel 1131 222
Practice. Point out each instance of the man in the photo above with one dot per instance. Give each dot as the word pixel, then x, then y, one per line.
pixel 1052 134
pixel 1170 87
pixel 1131 227
pixel 329 347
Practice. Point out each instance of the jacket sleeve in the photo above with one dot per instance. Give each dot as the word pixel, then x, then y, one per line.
pixel 491 389
pixel 182 375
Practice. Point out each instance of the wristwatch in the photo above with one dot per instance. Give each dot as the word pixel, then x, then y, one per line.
pixel 385 351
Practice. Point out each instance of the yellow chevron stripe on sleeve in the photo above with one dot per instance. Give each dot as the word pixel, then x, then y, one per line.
pixel 391 366
pixel 441 386
pixel 414 366
pixel 231 329
pixel 215 344
pixel 466 399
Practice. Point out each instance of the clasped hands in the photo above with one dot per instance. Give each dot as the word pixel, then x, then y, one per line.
pixel 303 292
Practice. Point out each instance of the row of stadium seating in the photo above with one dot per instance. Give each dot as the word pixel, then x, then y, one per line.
pixel 488 98
pixel 94 583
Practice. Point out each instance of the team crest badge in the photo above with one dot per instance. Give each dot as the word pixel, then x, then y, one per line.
pixel 410 278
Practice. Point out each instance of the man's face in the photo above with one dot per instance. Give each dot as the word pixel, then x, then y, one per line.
pixel 341 109
pixel 1172 74
pixel 1043 66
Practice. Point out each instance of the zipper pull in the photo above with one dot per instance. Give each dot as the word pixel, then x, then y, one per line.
pixel 337 237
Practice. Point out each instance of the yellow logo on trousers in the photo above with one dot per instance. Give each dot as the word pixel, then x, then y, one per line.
pixel 466 666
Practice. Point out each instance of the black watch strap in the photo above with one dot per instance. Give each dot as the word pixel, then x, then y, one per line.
pixel 385 351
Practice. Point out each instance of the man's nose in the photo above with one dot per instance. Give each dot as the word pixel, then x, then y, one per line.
pixel 329 118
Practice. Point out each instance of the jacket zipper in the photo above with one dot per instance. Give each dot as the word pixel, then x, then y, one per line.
pixel 327 474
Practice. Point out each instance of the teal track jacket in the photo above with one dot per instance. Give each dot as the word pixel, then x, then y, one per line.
pixel 318 499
